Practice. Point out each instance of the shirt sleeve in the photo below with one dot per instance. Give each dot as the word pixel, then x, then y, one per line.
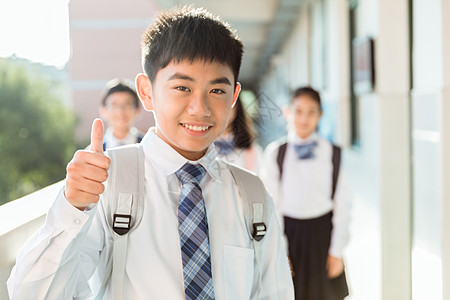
pixel 58 260
pixel 341 216
pixel 276 280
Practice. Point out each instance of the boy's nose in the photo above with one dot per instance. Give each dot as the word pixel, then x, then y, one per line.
pixel 199 106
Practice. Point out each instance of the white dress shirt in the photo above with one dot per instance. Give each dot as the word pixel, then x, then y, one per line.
pixel 305 189
pixel 59 260
pixel 112 141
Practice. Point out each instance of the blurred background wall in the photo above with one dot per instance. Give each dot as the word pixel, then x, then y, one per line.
pixel 105 43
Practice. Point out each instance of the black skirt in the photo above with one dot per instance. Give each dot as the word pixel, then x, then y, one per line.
pixel 309 242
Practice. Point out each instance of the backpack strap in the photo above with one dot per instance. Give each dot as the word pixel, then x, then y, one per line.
pixel 125 202
pixel 336 159
pixel 253 195
pixel 280 157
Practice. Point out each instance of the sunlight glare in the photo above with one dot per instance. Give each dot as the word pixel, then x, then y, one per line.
pixel 36 30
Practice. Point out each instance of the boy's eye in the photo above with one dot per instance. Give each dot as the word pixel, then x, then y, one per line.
pixel 182 88
pixel 217 91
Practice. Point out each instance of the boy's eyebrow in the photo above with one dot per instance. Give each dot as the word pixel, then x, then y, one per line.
pixel 223 80
pixel 180 76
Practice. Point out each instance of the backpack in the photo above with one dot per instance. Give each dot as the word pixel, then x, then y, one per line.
pixel 335 158
pixel 126 202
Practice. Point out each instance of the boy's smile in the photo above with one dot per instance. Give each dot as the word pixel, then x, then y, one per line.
pixel 191 102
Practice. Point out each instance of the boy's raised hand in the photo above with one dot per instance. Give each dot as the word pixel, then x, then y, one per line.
pixel 87 171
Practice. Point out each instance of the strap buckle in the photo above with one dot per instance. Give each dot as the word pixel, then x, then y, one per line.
pixel 259 231
pixel 121 223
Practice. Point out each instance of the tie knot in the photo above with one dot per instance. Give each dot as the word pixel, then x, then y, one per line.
pixel 190 173
pixel 224 147
pixel 305 151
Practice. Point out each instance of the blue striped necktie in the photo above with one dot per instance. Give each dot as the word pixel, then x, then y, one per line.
pixel 194 239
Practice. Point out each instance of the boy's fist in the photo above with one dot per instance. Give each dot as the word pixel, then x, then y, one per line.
pixel 87 171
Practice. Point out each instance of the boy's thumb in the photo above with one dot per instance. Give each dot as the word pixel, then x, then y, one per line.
pixel 97 136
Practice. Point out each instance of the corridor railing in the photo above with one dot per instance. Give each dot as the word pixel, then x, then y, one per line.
pixel 19 219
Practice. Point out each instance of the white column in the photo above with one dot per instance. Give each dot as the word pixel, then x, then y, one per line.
pixel 445 148
pixel 392 85
pixel 428 144
pixel 341 78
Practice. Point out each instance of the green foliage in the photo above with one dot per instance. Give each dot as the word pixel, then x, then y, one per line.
pixel 36 131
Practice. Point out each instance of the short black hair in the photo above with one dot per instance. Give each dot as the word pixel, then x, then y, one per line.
pixel 307 91
pixel 192 34
pixel 118 85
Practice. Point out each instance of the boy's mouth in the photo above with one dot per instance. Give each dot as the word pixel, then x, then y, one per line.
pixel 198 128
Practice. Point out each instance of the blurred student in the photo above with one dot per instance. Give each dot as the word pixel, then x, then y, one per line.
pixel 313 200
pixel 120 108
pixel 236 145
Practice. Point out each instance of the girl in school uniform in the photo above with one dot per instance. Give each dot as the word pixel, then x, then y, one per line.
pixel 120 108
pixel 313 198
pixel 236 145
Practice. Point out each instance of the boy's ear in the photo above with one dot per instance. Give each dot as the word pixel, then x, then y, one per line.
pixel 144 90
pixel 237 90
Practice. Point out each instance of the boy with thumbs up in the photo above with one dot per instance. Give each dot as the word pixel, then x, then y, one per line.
pixel 192 241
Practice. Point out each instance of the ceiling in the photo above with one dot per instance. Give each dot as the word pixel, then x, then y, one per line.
pixel 262 25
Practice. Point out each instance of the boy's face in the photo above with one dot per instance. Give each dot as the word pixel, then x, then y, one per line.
pixel 191 103
pixel 120 110
pixel 304 115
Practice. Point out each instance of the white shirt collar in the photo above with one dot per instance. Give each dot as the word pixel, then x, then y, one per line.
pixel 112 141
pixel 167 160
pixel 293 138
